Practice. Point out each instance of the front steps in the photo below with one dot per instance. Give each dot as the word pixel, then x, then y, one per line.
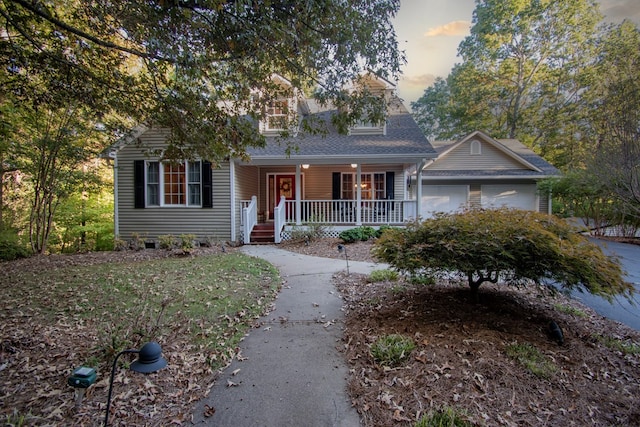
pixel 263 233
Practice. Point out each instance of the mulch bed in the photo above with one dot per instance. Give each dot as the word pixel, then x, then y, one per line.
pixel 460 359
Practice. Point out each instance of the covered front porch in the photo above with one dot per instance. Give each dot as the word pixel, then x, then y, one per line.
pixel 373 201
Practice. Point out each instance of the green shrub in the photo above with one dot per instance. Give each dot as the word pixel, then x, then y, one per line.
pixel 502 246
pixel 392 350
pixel 105 242
pixel 445 417
pixel 186 242
pixel 362 233
pixel 167 241
pixel 308 232
pixel 383 276
pixel 380 231
pixel 137 242
pixel 10 246
pixel 120 244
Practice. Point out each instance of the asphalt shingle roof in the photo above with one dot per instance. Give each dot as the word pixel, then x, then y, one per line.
pixel 403 139
pixel 515 146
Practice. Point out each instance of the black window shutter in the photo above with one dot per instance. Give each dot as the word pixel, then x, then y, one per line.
pixel 207 187
pixel 336 193
pixel 138 184
pixel 390 185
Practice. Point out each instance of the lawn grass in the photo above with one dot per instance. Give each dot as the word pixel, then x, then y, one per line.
pixel 209 301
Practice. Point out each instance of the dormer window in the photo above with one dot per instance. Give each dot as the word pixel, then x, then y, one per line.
pixel 277 115
pixel 368 129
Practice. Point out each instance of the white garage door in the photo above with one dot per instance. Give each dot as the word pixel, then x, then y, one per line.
pixel 521 196
pixel 443 198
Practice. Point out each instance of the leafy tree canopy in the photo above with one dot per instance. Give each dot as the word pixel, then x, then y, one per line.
pixel 502 245
pixel 524 67
pixel 193 65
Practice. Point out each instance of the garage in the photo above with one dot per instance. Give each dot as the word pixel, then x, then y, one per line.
pixel 519 196
pixel 443 198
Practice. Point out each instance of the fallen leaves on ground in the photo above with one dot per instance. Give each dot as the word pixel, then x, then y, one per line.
pixel 460 358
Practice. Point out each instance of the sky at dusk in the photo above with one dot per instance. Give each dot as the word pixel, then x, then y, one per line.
pixel 429 31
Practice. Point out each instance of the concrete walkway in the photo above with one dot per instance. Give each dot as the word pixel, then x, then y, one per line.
pixel 293 374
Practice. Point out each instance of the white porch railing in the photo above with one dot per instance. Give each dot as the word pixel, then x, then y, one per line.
pixel 279 220
pixel 249 219
pixel 374 212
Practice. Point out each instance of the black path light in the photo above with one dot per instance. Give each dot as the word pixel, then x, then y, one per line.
pixel 149 360
pixel 342 248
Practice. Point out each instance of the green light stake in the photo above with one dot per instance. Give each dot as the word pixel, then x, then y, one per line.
pixel 80 380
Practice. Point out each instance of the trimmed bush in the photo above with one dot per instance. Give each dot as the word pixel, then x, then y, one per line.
pixel 362 233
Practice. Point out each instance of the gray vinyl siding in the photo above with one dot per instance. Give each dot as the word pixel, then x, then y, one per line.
pixel 151 222
pixel 490 159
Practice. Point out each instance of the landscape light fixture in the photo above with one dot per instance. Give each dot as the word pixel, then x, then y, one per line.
pixel 80 380
pixel 342 248
pixel 149 360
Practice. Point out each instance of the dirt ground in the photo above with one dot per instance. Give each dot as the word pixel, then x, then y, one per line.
pixel 459 360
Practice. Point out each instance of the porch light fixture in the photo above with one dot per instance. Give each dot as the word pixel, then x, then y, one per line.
pixel 342 248
pixel 305 166
pixel 149 360
pixel 354 165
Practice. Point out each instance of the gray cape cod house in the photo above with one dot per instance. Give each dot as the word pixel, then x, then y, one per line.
pixel 376 174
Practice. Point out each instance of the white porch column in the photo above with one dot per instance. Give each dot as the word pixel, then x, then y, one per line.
pixel 419 167
pixel 234 206
pixel 359 194
pixel 298 196
pixel 116 212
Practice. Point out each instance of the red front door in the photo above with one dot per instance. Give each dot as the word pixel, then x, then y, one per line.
pixel 283 186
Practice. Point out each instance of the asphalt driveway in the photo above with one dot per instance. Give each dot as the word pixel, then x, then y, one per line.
pixel 620 309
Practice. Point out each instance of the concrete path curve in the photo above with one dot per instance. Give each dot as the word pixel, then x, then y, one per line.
pixel 293 374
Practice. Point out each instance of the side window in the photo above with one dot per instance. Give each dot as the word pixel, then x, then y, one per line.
pixel 195 184
pixel 172 184
pixel 153 184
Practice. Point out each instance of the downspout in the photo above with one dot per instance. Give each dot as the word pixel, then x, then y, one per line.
pixel 423 163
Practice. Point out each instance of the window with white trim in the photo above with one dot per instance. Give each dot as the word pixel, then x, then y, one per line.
pixel 174 184
pixel 372 186
pixel 277 115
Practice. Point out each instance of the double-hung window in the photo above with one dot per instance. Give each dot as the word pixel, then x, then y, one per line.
pixel 277 115
pixel 372 186
pixel 174 184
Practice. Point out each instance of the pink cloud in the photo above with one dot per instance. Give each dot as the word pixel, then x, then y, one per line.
pixel 454 28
